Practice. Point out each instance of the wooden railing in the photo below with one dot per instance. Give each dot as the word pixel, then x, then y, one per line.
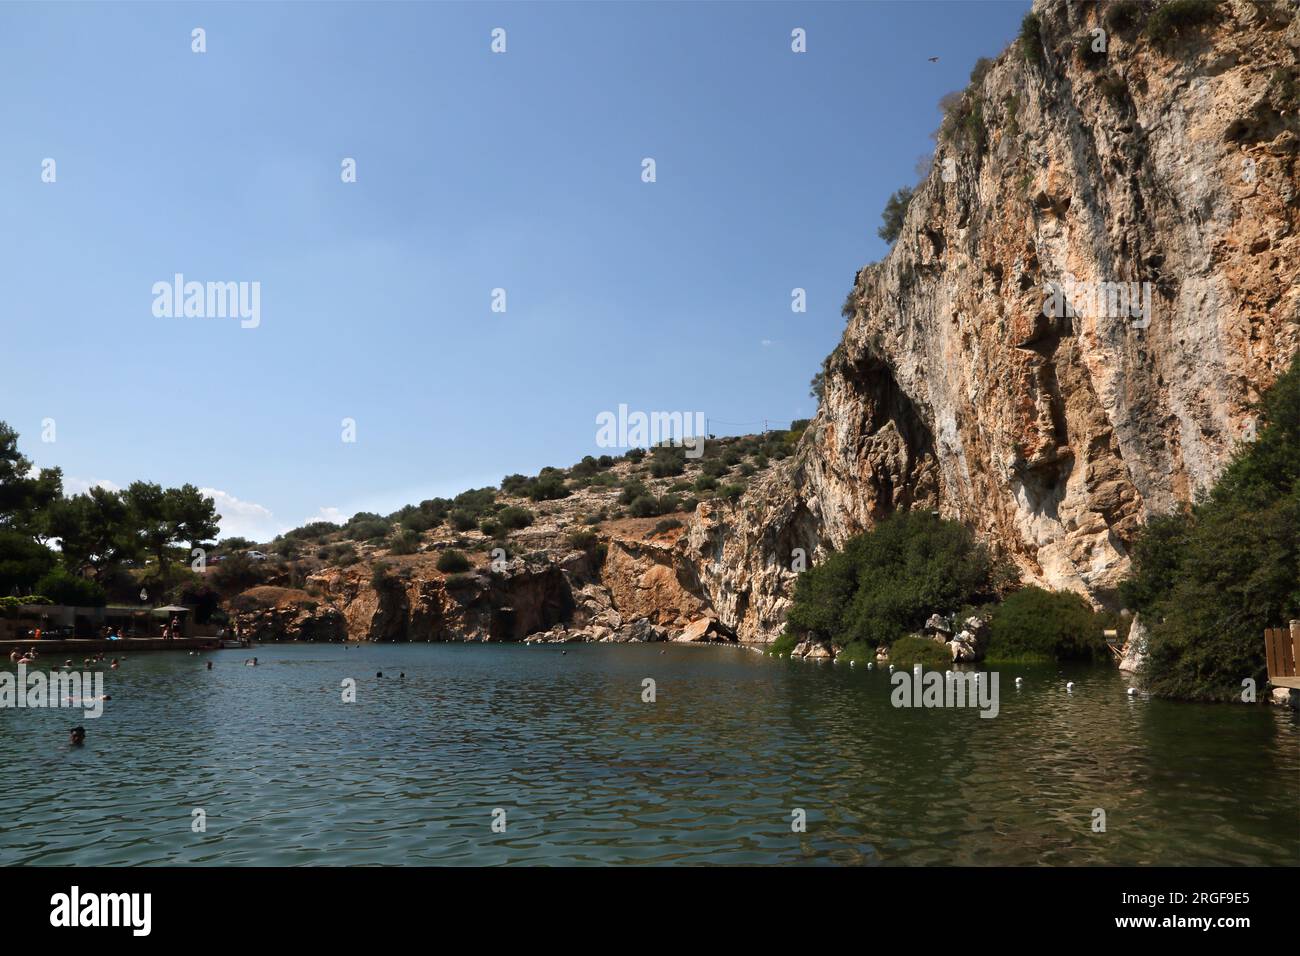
pixel 1281 648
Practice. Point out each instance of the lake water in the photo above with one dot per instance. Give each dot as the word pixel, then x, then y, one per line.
pixel 588 773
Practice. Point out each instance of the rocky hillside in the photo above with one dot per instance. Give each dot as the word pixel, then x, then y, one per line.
pixel 606 559
pixel 1168 159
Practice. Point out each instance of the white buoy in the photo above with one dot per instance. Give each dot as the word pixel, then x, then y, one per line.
pixel 870 666
pixel 1070 686
pixel 891 668
pixel 851 663
pixel 1019 681
pixel 1132 691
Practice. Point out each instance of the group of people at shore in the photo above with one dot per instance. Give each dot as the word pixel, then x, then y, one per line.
pixel 31 655
pixel 111 632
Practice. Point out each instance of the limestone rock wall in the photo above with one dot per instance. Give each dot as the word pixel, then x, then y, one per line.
pixel 1055 438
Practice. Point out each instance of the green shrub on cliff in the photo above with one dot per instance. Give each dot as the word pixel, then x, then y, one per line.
pixel 892 217
pixel 548 488
pixel 1031 39
pixel 1209 581
pixel 513 518
pixel 1176 19
pixel 887 581
pixel 404 542
pixel 452 562
pixel 461 520
pixel 1034 624
pixel 382 575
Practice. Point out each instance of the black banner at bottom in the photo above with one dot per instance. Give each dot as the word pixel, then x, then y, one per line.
pixel 334 905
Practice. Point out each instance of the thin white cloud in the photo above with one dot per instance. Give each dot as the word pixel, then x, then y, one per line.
pixel 244 519
pixel 329 514
pixel 79 486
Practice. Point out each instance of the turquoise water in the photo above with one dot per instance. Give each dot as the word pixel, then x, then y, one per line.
pixel 587 772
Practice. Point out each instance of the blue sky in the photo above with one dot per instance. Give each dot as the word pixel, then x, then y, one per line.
pixel 475 171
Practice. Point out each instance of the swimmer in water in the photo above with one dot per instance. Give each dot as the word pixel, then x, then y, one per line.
pixel 76 736
pixel 209 665
pixel 114 665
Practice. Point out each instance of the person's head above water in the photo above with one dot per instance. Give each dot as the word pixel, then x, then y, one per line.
pixel 77 736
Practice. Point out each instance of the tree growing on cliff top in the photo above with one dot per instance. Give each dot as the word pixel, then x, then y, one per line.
pixel 892 217
pixel 817 387
pixel 1209 581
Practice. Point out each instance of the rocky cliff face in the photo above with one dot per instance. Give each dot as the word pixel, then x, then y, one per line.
pixel 1166 163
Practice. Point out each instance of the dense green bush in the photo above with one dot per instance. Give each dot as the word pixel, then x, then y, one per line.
pixel 667 461
pixel 452 562
pixel 783 645
pixel 461 520
pixel 887 581
pixel 63 587
pixel 912 649
pixel 513 518
pixel 314 531
pixel 1031 40
pixel 405 542
pixel 476 501
pixel 516 485
pixel 22 561
pixel 367 529
pixel 632 490
pixel 236 573
pixel 1209 581
pixel 548 488
pixel 1033 624
pixel 419 521
pixel 645 506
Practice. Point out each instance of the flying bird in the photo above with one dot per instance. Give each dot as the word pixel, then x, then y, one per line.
pixel 934 59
